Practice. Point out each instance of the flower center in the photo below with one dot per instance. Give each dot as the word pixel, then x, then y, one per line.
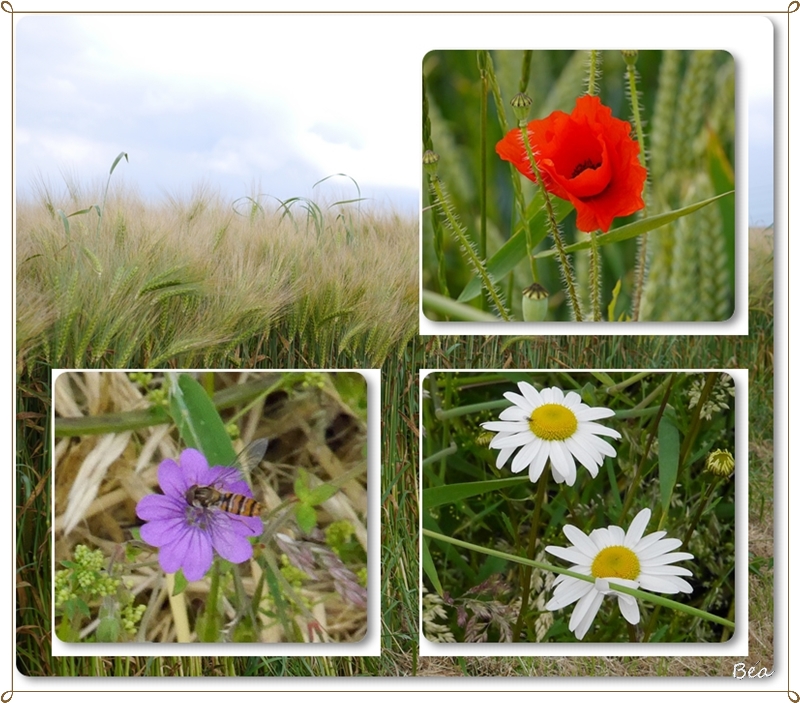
pixel 197 516
pixel 553 422
pixel 619 562
pixel 580 168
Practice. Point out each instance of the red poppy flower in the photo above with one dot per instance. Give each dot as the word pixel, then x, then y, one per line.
pixel 587 157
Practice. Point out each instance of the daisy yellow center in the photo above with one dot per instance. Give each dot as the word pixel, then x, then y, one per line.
pixel 619 562
pixel 553 422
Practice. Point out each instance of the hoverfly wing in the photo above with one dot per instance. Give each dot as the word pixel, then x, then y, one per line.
pixel 249 458
pixel 252 455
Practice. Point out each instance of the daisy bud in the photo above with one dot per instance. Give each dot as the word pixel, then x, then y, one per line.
pixel 720 463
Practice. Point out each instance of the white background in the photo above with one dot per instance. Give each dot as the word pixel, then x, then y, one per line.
pixel 407 37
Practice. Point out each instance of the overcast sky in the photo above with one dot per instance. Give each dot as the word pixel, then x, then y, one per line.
pixel 225 100
pixel 244 103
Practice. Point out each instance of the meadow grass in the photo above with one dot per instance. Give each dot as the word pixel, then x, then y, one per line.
pixel 399 495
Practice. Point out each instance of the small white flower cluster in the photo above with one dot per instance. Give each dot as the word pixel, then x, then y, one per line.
pixel 433 608
pixel 718 399
pixel 541 581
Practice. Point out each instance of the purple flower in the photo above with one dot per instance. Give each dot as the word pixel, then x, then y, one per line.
pixel 188 535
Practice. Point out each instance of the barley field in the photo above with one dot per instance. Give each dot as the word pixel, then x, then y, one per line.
pixel 114 281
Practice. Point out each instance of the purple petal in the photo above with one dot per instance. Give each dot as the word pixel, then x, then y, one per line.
pixel 244 526
pixel 228 544
pixel 160 507
pixel 161 532
pixel 194 468
pixel 171 478
pixel 191 551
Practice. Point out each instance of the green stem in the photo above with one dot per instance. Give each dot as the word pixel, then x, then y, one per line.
pixel 484 113
pixel 525 572
pixel 157 415
pixel 566 267
pixel 694 424
pixel 455 310
pixel 592 87
pixel 467 247
pixel 699 510
pixel 641 252
pixel 472 408
pixel 441 454
pixel 633 488
pixel 210 621
pixel 594 277
pixel 636 593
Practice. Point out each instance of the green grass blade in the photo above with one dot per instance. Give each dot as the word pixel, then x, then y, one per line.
pixel 198 421
pixel 636 228
pixel 515 249
pixel 453 493
pixel 669 448
pixel 120 156
pixel 455 310
pixel 430 568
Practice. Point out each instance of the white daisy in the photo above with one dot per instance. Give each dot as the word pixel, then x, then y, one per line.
pixel 612 556
pixel 551 425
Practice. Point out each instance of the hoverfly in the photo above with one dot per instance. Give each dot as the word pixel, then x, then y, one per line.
pixel 234 503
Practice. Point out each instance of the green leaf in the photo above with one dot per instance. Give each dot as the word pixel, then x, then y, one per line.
pixel 83 212
pixel 515 249
pixel 453 310
pixel 612 306
pixel 180 583
pixel 321 493
pixel 636 228
pixel 64 220
pixel 117 160
pixel 76 606
pixel 455 492
pixel 301 489
pixel 453 557
pixel 669 446
pixel 306 517
pixel 198 421
pixel 429 567
pixel 108 630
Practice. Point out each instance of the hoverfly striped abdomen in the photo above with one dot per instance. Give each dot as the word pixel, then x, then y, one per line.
pixel 234 503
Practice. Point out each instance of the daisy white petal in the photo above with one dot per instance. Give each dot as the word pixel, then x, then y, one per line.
pixel 594 600
pixel 552 425
pixel 502 456
pixel 614 556
pixel 515 413
pixel 537 466
pixel 530 393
